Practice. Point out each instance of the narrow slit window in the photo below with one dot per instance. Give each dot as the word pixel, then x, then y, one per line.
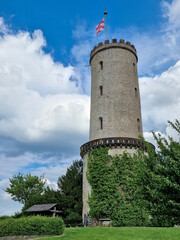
pixel 134 68
pixel 135 91
pixel 101 90
pixel 101 65
pixel 101 122
pixel 138 124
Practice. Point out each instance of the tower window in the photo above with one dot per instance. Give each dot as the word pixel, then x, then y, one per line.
pixel 134 68
pixel 135 91
pixel 101 65
pixel 138 124
pixel 101 122
pixel 101 90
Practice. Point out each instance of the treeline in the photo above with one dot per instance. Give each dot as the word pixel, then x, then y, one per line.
pixel 30 190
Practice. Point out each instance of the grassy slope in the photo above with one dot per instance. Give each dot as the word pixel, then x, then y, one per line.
pixel 120 234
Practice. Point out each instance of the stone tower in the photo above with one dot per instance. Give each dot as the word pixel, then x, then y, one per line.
pixel 115 119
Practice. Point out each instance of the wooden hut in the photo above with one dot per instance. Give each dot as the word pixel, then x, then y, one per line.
pixel 50 210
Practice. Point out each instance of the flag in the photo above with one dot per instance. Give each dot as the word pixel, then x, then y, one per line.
pixel 100 27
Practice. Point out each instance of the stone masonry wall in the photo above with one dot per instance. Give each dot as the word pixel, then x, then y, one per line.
pixel 119 106
pixel 115 99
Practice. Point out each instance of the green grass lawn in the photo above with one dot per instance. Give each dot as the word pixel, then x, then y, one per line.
pixel 123 233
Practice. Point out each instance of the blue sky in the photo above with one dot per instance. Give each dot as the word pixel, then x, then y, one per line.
pixel 57 19
pixel 45 86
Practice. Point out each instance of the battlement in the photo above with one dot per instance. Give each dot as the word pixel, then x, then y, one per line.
pixel 114 44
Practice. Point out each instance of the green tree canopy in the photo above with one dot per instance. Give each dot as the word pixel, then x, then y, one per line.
pixel 23 187
pixel 161 179
pixel 70 187
pixel 30 190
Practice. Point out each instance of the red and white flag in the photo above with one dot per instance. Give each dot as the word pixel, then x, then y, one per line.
pixel 100 27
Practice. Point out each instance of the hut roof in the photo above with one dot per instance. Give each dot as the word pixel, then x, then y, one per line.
pixel 42 207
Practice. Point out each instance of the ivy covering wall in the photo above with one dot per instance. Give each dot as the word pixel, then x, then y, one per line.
pixel 139 190
pixel 116 188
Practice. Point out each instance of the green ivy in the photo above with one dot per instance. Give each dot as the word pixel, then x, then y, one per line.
pixel 116 188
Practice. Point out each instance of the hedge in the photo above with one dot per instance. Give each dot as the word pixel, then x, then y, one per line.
pixel 32 225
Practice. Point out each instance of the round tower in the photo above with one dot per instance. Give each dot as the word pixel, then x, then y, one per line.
pixel 115 118
pixel 115 99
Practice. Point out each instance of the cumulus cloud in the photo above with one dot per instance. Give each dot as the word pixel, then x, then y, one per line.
pixel 149 137
pixel 171 11
pixel 161 99
pixel 41 100
pixel 171 28
pixel 8 206
pixel 52 172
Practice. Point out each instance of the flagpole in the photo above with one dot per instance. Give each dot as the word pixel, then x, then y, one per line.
pixel 105 13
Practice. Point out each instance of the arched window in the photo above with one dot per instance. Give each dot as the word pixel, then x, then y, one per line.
pixel 101 122
pixel 101 65
pixel 101 90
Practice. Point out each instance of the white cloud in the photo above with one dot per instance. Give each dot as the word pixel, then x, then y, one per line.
pixel 43 111
pixel 149 137
pixel 6 196
pixel 10 165
pixel 160 98
pixel 171 28
pixel 41 100
pixel 8 206
pixel 171 11
pixel 52 172
pixel 3 27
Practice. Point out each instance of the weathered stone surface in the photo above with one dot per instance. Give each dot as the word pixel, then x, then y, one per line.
pixel 119 106
pixel 86 186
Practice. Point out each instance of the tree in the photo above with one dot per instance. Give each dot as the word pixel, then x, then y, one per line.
pixel 70 187
pixel 30 190
pixel 23 188
pixel 161 179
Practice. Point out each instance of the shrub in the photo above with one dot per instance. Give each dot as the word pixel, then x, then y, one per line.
pixel 4 217
pixel 32 225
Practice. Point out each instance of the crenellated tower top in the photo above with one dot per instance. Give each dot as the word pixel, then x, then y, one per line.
pixel 114 44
